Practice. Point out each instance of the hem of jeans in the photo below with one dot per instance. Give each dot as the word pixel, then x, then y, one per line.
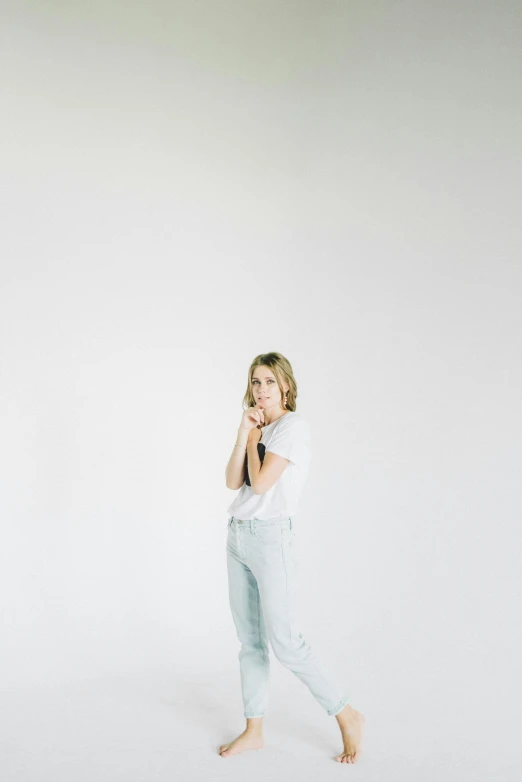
pixel 253 716
pixel 337 709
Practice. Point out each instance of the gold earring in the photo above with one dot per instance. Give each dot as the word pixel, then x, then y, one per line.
pixel 285 400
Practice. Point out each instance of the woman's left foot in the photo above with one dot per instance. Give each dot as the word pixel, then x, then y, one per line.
pixel 351 723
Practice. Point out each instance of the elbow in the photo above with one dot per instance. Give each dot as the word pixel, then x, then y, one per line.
pixel 261 488
pixel 231 485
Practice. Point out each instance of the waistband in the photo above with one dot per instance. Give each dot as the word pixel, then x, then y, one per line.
pixel 260 522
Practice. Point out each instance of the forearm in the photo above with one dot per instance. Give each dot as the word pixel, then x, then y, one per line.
pixel 234 473
pixel 254 462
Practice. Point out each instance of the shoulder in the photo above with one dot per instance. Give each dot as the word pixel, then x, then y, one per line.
pixel 294 421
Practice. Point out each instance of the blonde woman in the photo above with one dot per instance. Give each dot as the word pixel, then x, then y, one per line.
pixel 269 464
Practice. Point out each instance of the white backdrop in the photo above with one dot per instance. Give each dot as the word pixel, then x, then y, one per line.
pixel 186 185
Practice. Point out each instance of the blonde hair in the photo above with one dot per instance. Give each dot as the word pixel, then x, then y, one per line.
pixel 282 370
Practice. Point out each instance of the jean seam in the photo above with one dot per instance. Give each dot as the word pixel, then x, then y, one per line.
pixel 286 585
pixel 260 641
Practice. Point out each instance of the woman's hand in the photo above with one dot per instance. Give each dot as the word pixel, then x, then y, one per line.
pixel 252 418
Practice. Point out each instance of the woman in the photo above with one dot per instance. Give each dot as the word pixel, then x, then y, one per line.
pixel 269 464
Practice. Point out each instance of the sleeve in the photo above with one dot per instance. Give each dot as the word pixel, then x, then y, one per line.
pixel 292 442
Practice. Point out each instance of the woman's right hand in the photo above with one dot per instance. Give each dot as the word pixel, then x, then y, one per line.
pixel 252 417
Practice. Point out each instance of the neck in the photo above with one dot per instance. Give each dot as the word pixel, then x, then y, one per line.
pixel 271 417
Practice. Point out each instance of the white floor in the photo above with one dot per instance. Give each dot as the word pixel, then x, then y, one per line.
pixel 161 725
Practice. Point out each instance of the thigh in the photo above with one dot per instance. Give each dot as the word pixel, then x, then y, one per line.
pixel 244 597
pixel 273 565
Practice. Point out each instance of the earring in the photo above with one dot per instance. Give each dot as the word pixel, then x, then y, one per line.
pixel 284 403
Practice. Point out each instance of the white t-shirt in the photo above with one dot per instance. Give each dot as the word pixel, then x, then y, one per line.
pixel 288 436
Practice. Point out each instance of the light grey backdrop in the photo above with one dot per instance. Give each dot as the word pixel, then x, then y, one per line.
pixel 184 186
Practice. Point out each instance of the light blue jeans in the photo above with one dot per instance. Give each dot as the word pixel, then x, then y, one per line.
pixel 261 570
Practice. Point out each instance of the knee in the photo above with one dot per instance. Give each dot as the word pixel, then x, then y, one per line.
pixel 290 648
pixel 250 646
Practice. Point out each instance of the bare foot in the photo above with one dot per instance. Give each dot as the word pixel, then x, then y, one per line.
pixel 246 740
pixel 351 723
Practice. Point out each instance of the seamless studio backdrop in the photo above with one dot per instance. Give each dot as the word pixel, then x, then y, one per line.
pixel 186 185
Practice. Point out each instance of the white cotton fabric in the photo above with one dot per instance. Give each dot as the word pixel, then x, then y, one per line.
pixel 290 437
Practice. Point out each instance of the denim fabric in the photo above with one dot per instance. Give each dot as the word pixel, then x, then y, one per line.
pixel 261 570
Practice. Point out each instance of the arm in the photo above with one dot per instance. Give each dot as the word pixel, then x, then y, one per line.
pixel 235 471
pixel 290 443
pixel 263 477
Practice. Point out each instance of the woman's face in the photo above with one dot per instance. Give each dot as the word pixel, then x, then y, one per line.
pixel 265 390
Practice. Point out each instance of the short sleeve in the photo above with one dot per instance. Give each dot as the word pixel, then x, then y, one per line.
pixel 292 442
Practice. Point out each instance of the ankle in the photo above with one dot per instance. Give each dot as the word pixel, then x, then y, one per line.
pixel 345 714
pixel 254 725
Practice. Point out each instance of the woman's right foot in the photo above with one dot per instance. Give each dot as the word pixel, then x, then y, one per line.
pixel 351 723
pixel 246 740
